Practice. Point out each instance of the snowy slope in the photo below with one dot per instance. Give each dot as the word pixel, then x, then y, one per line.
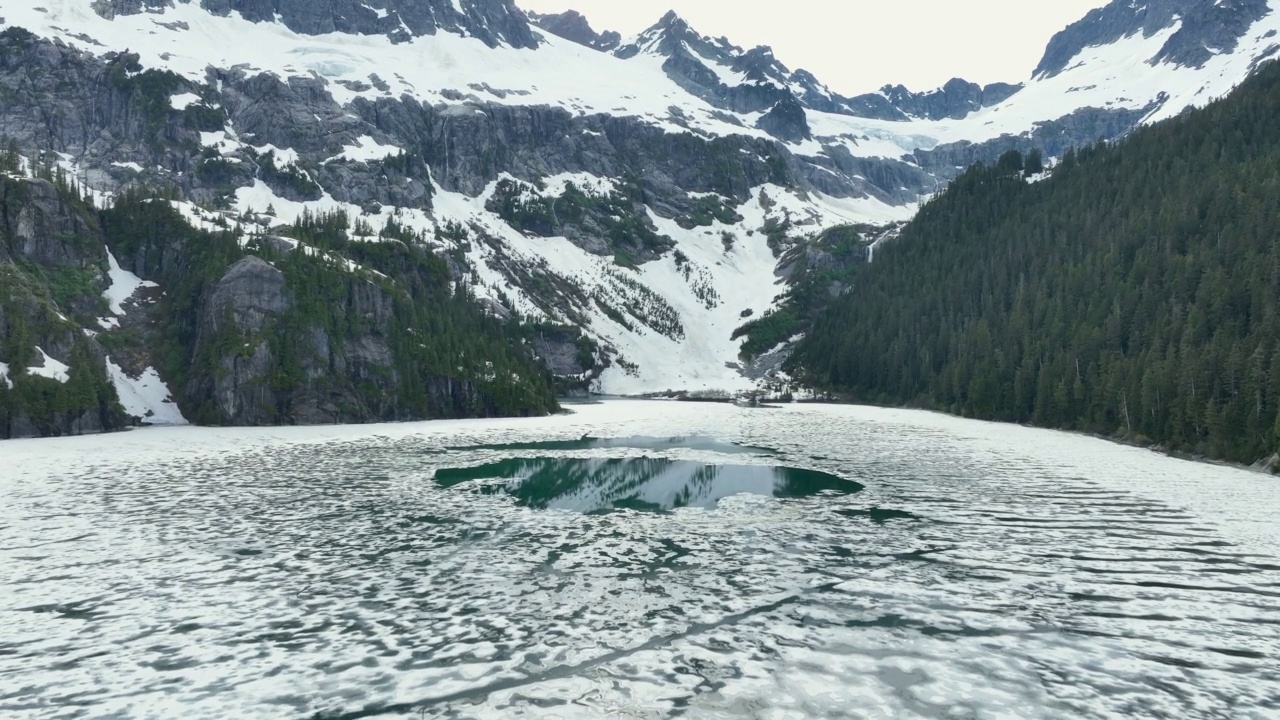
pixel 667 323
pixel 50 368
pixel 124 285
pixel 188 40
pixel 1123 74
pixel 146 398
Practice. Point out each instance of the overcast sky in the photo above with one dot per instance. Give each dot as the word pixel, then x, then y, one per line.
pixel 859 45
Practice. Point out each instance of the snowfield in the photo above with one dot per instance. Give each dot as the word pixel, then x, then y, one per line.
pixel 147 397
pixel 563 74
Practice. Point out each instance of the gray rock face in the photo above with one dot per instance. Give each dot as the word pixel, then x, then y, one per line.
pixel 1206 26
pixel 66 101
pixel 246 306
pixel 109 9
pixel 954 100
pixel 492 21
pixel 573 364
pixel 249 294
pixel 37 226
pixel 572 26
pixel 560 353
pixel 47 231
pixel 354 377
pixel 469 147
pixel 52 269
pixel 786 121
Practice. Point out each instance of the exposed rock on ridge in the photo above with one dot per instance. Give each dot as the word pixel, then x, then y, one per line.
pixel 765 81
pixel 492 21
pixel 1205 28
pixel 573 26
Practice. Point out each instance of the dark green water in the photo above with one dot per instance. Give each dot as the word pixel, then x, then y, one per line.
pixel 651 484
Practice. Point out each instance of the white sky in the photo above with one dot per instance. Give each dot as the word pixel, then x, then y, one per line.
pixel 856 46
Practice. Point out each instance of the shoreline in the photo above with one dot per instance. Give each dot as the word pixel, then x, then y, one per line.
pixel 568 403
pixel 1114 439
pixel 1258 467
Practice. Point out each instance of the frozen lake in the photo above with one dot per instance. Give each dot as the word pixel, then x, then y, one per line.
pixel 804 562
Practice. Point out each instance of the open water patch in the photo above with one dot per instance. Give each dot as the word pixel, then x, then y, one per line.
pixel 592 485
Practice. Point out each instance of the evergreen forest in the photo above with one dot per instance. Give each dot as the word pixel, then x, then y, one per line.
pixel 1133 292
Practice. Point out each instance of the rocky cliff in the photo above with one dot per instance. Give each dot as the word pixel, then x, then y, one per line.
pixel 288 329
pixel 244 342
pixel 53 378
pixel 572 25
pixel 1191 31
pixel 494 22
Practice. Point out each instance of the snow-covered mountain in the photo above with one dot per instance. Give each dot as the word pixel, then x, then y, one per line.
pixel 652 190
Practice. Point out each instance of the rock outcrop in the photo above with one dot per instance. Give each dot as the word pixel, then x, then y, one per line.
pixel 954 100
pixel 573 26
pixel 1205 28
pixel 492 21
pixel 52 269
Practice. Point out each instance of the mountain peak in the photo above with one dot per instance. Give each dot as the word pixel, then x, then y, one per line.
pixel 664 37
pixel 574 26
pixel 671 25
pixel 955 99
pixel 671 18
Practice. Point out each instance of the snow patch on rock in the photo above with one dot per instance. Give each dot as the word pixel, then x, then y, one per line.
pixel 366 149
pixel 124 285
pixel 183 101
pixel 146 397
pixel 50 368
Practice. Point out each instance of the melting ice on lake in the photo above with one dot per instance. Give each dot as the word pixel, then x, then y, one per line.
pixel 984 571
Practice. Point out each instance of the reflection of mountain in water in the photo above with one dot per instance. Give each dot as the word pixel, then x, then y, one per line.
pixel 590 485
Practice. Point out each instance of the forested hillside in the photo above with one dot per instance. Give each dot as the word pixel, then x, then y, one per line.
pixel 316 326
pixel 1136 291
pixel 309 325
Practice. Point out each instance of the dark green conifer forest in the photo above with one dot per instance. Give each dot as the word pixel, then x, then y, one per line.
pixel 1134 292
pixel 439 333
